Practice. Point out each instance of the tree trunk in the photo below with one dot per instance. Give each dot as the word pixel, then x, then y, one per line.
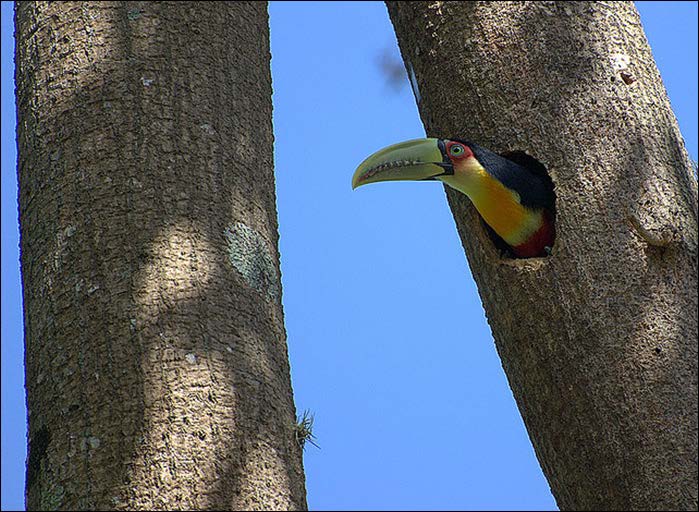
pixel 156 362
pixel 599 340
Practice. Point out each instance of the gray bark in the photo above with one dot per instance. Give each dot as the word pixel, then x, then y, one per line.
pixel 599 340
pixel 156 362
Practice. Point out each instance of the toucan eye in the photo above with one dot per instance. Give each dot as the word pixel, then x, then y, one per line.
pixel 456 150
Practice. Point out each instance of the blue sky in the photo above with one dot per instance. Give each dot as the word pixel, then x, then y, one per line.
pixel 387 337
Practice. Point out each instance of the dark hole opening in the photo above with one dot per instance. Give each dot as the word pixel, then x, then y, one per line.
pixel 38 446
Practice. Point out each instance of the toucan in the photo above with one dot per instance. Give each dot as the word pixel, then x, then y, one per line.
pixel 515 201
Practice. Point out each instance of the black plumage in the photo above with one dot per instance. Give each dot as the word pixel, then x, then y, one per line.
pixel 529 180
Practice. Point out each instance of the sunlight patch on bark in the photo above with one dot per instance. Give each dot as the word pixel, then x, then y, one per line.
pixel 180 267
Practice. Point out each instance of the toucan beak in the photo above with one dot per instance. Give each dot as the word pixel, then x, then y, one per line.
pixel 418 159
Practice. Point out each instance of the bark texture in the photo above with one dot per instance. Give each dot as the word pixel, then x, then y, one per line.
pixel 156 362
pixel 599 340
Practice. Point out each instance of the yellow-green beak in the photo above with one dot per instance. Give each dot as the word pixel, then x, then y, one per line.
pixel 417 159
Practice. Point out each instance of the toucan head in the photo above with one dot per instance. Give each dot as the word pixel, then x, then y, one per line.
pixel 417 159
